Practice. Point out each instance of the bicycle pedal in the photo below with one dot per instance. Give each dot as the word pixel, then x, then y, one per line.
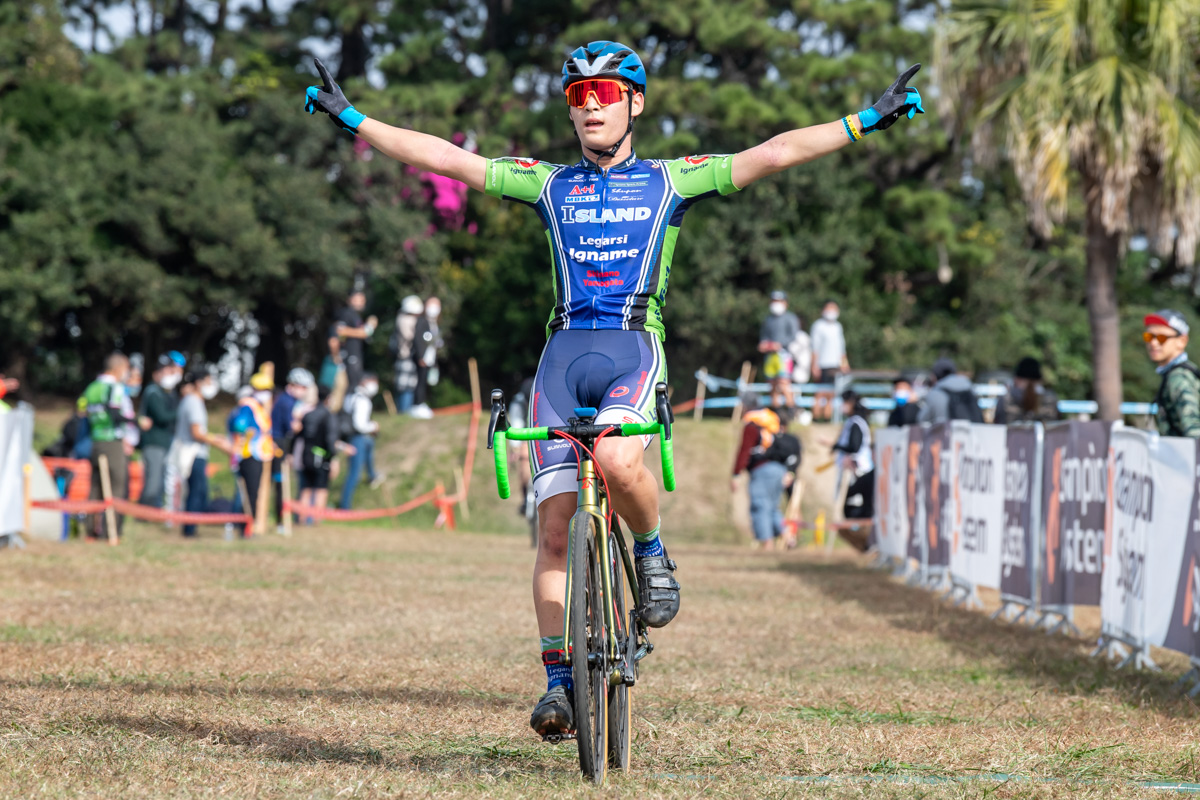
pixel 557 738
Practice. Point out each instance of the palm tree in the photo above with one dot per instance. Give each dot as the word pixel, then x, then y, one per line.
pixel 1095 95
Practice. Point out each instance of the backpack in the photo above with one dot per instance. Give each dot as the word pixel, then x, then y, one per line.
pixel 1162 390
pixel 345 423
pixel 963 405
pixel 785 449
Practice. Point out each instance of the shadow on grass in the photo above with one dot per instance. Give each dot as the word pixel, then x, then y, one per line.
pixel 469 754
pixel 277 745
pixel 1057 661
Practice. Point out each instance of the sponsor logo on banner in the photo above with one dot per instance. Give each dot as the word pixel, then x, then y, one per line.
pixel 1017 543
pixel 915 492
pixel 1075 492
pixel 891 498
pixel 937 465
pixel 978 502
pixel 1182 632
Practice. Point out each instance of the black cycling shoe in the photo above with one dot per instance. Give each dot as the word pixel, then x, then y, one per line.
pixel 553 713
pixel 657 589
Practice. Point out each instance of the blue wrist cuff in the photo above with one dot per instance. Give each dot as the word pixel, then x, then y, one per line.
pixel 868 118
pixel 352 118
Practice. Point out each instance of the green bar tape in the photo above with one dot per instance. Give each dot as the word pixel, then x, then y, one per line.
pixel 500 446
pixel 667 449
pixel 528 434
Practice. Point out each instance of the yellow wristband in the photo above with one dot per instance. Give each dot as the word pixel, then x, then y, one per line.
pixel 853 130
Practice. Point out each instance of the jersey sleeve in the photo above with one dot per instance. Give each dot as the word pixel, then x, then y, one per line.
pixel 697 177
pixel 517 179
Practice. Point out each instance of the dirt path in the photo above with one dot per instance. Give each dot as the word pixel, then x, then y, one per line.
pixel 362 663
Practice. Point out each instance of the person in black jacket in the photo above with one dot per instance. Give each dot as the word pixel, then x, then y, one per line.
pixel 908 408
pixel 319 434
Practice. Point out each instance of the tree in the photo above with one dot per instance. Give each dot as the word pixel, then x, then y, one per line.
pixel 1096 95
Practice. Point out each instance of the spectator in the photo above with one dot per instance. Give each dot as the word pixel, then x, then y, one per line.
pixel 251 424
pixel 283 409
pixel 104 402
pixel 359 406
pixel 401 348
pixel 157 421
pixel 319 440
pixel 427 342
pixel 767 452
pixel 1178 399
pixel 777 332
pixel 1027 399
pixel 908 408
pixel 133 388
pixel 190 450
pixel 802 355
pixel 352 334
pixel 829 356
pixel 951 397
pixel 855 463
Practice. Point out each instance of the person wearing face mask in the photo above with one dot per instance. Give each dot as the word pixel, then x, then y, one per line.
pixel 190 450
pixel 157 422
pixel 907 408
pixel 778 330
pixel 425 346
pixel 829 356
pixel 402 346
pixel 251 425
pixel 359 406
pixel 105 402
pixel 299 381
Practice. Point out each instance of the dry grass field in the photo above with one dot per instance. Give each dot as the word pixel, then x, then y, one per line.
pixel 355 662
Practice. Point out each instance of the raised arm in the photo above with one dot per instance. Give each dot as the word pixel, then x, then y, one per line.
pixel 421 150
pixel 806 144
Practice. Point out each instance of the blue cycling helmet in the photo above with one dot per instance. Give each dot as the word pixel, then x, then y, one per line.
pixel 604 60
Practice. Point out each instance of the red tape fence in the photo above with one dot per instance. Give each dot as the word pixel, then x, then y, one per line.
pixel 76 502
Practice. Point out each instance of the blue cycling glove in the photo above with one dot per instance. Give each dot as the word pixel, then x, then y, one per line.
pixel 329 99
pixel 897 100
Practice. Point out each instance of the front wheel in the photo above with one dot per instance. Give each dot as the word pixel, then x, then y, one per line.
pixel 589 653
pixel 619 708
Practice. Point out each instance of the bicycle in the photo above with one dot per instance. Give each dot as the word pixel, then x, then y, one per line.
pixel 596 624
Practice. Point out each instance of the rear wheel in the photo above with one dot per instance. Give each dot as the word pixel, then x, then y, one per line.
pixel 589 661
pixel 619 713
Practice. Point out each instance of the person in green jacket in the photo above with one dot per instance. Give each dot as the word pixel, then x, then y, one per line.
pixel 1166 338
pixel 157 421
pixel 103 402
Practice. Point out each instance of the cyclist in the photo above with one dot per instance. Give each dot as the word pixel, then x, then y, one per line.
pixel 611 220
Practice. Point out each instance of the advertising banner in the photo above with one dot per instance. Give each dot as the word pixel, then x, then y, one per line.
pixel 16 443
pixel 915 494
pixel 936 465
pixel 891 492
pixel 1018 538
pixel 1074 483
pixel 1173 569
pixel 978 464
pixel 1130 514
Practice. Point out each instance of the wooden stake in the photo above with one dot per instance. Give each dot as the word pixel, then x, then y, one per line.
pixel 461 486
pixel 286 486
pixel 110 515
pixel 473 369
pixel 701 388
pixel 263 501
pixel 791 517
pixel 27 495
pixel 390 402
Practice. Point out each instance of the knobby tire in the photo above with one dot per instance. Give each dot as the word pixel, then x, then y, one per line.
pixel 619 706
pixel 588 637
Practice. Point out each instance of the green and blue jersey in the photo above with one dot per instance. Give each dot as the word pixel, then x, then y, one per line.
pixel 612 232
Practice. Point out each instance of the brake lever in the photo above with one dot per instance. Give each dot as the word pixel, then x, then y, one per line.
pixel 663 409
pixel 499 419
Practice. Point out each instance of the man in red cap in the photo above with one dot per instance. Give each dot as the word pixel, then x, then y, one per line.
pixel 1178 399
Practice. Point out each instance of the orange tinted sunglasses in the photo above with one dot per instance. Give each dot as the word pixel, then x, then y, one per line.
pixel 1149 337
pixel 606 91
